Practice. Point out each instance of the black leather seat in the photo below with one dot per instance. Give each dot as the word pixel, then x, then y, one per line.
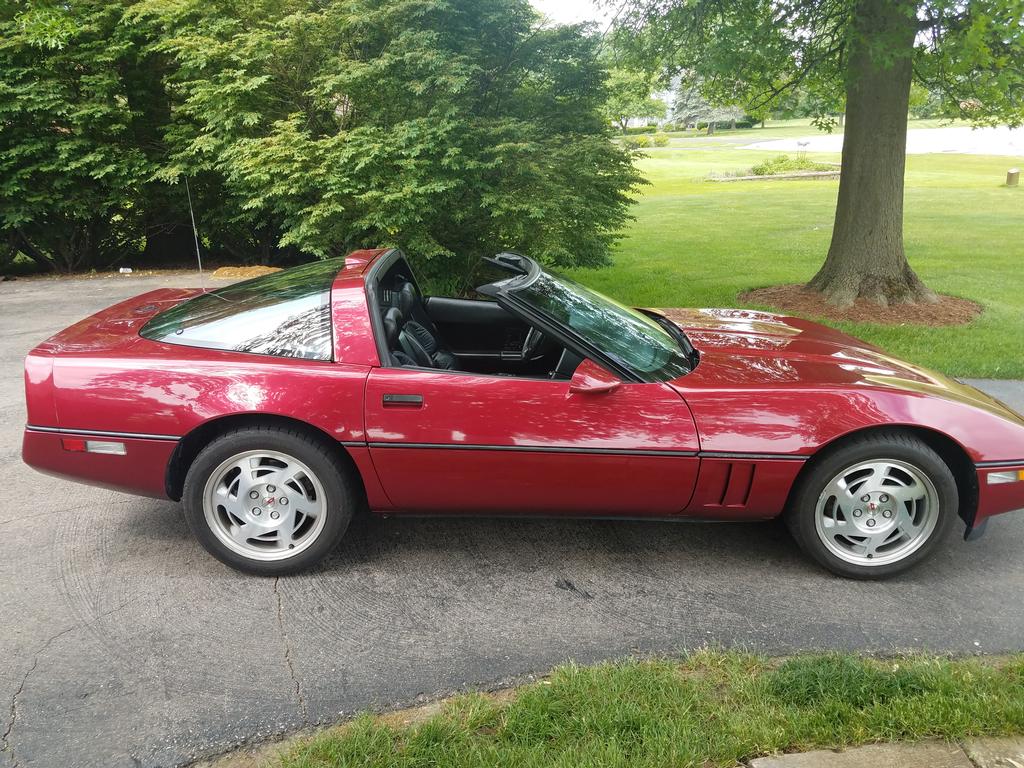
pixel 418 337
pixel 410 343
pixel 394 322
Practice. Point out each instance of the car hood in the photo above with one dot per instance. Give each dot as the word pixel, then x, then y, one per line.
pixel 743 349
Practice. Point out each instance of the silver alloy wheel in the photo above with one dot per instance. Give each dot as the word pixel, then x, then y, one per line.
pixel 265 505
pixel 877 512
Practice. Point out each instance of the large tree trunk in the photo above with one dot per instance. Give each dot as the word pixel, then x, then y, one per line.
pixel 866 257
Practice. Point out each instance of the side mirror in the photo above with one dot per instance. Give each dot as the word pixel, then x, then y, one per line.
pixel 592 379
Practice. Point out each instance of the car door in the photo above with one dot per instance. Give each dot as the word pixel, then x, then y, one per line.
pixel 453 442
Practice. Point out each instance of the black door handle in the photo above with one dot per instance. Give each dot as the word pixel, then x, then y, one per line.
pixel 408 400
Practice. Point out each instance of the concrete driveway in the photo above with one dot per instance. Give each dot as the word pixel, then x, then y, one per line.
pixel 123 644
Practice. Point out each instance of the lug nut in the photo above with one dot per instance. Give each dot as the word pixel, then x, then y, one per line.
pixel 887 513
pixel 257 511
pixel 271 489
pixel 274 515
pixel 254 494
pixel 865 497
pixel 858 512
pixel 883 498
pixel 284 501
pixel 871 523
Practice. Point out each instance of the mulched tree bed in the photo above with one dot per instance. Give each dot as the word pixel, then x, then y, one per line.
pixel 797 299
pixel 237 273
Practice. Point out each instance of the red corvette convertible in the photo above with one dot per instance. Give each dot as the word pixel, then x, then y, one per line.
pixel 277 408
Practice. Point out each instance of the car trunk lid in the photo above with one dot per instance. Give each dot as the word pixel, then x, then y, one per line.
pixel 115 328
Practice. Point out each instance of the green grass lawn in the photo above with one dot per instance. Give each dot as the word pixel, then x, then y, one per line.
pixel 710 709
pixel 699 243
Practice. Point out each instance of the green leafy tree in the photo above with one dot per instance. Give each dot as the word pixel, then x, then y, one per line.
pixel 450 128
pixel 304 127
pixel 629 97
pixel 924 103
pixel 84 110
pixel 70 165
pixel 866 53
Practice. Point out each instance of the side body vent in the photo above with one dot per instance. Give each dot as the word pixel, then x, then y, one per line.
pixel 725 483
pixel 730 489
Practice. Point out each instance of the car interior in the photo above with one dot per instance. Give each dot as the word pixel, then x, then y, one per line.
pixel 472 335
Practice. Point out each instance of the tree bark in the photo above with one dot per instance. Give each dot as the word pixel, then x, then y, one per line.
pixel 866 257
pixel 29 249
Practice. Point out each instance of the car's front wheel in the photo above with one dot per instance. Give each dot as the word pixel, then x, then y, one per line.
pixel 268 500
pixel 874 507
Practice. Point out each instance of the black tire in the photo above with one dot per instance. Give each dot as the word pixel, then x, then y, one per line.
pixel 894 445
pixel 341 487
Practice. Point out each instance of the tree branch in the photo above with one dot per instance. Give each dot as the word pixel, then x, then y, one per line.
pixel 25 246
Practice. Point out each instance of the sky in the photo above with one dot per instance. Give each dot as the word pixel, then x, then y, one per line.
pixel 570 11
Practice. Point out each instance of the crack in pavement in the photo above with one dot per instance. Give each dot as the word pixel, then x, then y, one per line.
pixel 5 739
pixel 303 709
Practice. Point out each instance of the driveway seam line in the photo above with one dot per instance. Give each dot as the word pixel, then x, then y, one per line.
pixel 288 660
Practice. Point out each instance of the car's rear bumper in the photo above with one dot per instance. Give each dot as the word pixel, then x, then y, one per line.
pixel 997 493
pixel 141 468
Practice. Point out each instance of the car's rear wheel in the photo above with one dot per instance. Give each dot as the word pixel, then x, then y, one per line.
pixel 873 507
pixel 269 501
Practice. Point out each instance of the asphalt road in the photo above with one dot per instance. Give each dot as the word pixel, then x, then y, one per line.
pixel 123 644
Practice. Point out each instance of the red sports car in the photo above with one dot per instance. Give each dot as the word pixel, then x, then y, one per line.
pixel 277 408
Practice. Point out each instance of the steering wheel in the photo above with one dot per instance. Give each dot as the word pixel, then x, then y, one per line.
pixel 532 343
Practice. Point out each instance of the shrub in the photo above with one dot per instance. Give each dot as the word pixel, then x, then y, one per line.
pixel 636 142
pixel 786 164
pixel 660 140
pixel 641 129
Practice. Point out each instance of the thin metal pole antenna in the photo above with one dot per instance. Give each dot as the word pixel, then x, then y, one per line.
pixel 195 232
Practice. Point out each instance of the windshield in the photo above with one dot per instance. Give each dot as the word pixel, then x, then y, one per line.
pixel 630 338
pixel 286 314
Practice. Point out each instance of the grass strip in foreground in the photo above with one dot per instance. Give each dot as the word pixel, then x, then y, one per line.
pixel 709 709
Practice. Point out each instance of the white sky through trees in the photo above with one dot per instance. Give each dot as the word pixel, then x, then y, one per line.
pixel 571 11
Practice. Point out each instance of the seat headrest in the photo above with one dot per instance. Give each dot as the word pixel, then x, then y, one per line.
pixel 408 298
pixel 393 322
